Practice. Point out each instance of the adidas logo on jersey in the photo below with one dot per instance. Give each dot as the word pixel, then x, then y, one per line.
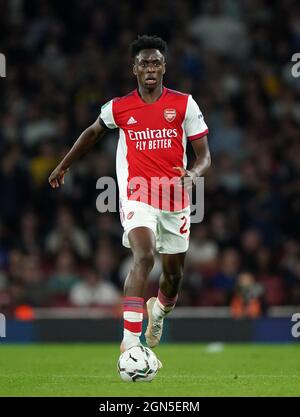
pixel 131 121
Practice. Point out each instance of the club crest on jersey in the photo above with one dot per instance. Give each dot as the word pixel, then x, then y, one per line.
pixel 170 114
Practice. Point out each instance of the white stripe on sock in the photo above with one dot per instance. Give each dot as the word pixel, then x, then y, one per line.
pixel 132 316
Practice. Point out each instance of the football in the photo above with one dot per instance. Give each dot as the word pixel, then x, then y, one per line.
pixel 138 364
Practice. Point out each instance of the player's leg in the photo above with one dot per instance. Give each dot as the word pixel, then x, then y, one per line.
pixel 171 278
pixel 142 243
pixel 169 285
pixel 173 242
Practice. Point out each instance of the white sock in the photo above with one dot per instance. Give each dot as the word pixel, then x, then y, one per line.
pixel 160 311
pixel 130 339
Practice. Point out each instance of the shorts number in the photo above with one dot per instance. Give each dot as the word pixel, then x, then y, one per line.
pixel 183 228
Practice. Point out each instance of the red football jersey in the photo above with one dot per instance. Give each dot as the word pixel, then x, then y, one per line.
pixel 152 142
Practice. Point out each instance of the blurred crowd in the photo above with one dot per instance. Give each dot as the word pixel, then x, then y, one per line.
pixel 63 62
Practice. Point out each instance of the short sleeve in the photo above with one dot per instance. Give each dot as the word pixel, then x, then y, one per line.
pixel 194 124
pixel 106 117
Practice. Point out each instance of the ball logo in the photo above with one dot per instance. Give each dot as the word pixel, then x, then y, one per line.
pixel 170 114
pixel 130 215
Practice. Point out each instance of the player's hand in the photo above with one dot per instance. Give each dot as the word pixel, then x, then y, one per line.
pixel 57 177
pixel 187 178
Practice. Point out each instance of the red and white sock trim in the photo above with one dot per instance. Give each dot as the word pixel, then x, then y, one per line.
pixel 133 320
pixel 163 305
pixel 166 301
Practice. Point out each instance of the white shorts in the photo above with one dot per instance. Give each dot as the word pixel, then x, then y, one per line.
pixel 171 228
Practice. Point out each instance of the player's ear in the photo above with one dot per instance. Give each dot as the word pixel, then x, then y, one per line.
pixel 134 69
pixel 164 68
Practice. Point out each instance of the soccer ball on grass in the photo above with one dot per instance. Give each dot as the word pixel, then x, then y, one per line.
pixel 138 364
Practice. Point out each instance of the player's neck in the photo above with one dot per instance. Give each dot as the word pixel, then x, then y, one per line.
pixel 150 96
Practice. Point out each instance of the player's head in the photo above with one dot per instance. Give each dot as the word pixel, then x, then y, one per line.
pixel 148 53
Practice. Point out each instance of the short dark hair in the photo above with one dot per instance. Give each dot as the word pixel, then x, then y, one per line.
pixel 147 42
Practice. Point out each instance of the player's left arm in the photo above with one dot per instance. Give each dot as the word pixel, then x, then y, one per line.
pixel 196 131
pixel 203 159
pixel 201 164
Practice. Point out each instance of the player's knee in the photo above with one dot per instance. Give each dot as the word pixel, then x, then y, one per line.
pixel 144 260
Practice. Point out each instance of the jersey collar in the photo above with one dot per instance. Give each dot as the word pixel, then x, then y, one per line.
pixel 136 93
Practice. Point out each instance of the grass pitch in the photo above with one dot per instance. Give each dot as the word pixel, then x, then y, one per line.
pixel 189 370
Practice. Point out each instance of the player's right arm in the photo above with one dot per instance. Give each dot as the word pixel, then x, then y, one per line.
pixel 87 139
